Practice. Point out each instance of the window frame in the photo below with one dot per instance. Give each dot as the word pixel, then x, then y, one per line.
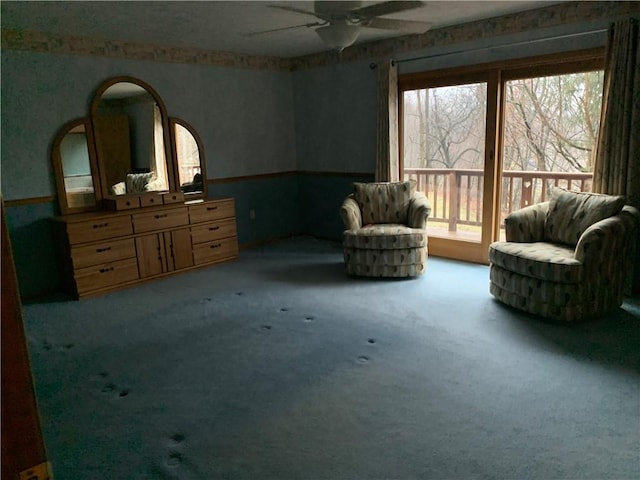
pixel 496 74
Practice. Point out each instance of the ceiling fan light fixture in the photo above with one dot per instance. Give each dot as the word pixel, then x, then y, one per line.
pixel 338 36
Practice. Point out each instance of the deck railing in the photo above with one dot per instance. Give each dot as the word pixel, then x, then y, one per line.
pixel 456 194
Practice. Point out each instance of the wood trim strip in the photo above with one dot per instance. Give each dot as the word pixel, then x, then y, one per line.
pixel 264 176
pixel 29 201
pixel 260 176
pixel 211 181
pixel 337 174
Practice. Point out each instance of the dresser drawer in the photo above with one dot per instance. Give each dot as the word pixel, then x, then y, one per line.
pixel 160 219
pixel 205 212
pixel 213 231
pixel 121 202
pixel 98 229
pixel 216 250
pixel 106 275
pixel 172 197
pixel 150 199
pixel 108 251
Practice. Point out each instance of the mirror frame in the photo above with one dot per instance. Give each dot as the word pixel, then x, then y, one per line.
pixel 166 133
pixel 173 121
pixel 56 160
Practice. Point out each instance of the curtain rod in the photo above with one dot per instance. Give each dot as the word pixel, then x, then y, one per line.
pixel 513 44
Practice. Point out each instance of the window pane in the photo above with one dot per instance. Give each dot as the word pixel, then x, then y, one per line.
pixel 444 138
pixel 550 134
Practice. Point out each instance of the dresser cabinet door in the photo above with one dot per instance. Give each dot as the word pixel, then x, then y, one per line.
pixel 178 248
pixel 151 255
pixel 164 252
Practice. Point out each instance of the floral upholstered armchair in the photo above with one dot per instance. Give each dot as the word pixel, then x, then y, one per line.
pixel 566 259
pixel 385 230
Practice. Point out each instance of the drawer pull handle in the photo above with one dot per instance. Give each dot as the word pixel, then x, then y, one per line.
pixel 212 208
pixel 100 225
pixel 160 216
pixel 105 249
pixel 211 229
pixel 216 245
pixel 105 270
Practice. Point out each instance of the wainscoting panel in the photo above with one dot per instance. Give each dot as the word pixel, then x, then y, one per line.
pixel 321 195
pixel 34 251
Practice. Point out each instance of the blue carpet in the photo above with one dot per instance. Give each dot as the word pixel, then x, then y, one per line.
pixel 279 366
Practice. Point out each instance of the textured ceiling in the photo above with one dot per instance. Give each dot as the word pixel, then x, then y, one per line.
pixel 223 25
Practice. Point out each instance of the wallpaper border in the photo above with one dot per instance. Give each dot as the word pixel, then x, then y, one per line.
pixel 43 42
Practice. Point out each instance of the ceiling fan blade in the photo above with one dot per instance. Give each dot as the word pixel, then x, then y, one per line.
pixel 314 24
pixel 406 26
pixel 386 8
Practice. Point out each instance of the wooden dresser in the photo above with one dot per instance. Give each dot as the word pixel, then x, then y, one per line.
pixel 105 251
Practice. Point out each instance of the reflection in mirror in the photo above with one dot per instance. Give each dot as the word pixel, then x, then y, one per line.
pixel 74 166
pixel 129 134
pixel 190 159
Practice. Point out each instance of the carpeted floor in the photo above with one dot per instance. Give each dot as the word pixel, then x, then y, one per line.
pixel 278 366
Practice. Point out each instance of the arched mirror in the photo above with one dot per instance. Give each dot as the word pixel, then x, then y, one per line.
pixel 132 140
pixel 75 166
pixel 190 162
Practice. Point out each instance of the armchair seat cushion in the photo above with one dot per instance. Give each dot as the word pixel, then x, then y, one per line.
pixel 539 260
pixel 388 236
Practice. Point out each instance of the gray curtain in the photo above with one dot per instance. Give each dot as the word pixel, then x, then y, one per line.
pixel 387 159
pixel 617 165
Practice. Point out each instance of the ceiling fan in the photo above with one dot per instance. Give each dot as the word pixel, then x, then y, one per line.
pixel 340 22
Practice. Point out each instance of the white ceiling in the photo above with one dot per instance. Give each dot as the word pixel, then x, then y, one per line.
pixel 223 25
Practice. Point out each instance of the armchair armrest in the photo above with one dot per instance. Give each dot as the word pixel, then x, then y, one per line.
pixel 350 213
pixel 419 210
pixel 609 245
pixel 527 224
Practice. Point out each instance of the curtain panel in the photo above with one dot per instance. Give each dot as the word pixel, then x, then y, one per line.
pixel 617 164
pixel 387 156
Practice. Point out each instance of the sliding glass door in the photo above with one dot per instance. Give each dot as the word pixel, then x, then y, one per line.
pixel 446 140
pixel 483 142
pixel 550 132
